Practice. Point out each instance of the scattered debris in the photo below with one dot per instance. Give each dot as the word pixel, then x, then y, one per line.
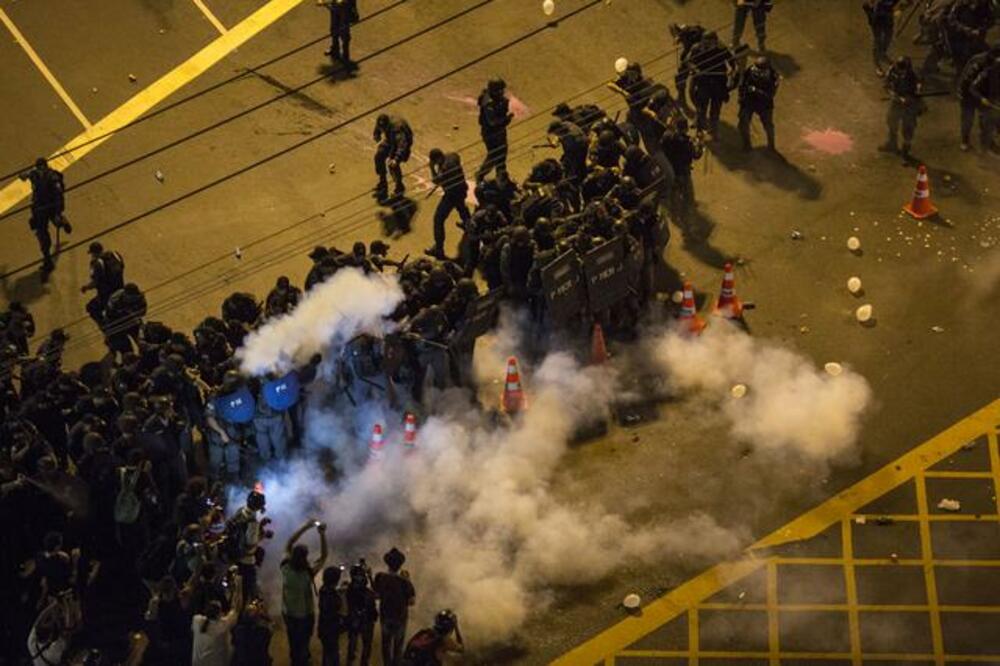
pixel 332 168
pixel 894 557
pixel 738 391
pixel 238 253
pixel 631 601
pixel 677 297
pixel 884 520
pixel 937 329
pixel 797 235
pixel 860 520
pixel 968 446
pixel 131 77
pixel 94 90
pixel 854 284
pixel 853 243
pixel 864 313
pixel 803 329
pixel 741 596
pixel 949 505
pixel 159 175
pixel 833 369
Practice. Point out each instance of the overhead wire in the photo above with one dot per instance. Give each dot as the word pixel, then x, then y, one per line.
pixel 294 247
pixel 242 74
pixel 284 94
pixel 309 139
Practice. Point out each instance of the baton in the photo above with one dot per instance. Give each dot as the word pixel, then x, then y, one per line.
pixel 430 192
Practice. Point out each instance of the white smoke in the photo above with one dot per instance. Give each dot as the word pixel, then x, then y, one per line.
pixel 791 406
pixel 330 314
pixel 475 509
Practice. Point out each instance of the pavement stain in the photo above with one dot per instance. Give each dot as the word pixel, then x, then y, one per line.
pixel 830 141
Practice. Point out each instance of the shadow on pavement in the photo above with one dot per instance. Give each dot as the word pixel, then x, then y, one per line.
pixel 785 63
pixel 762 165
pixel 26 288
pixel 397 217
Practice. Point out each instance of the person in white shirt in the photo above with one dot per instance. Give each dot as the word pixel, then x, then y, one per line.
pixel 211 630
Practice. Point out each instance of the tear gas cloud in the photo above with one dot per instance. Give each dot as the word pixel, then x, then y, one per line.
pixel 475 507
pixel 331 313
pixel 792 407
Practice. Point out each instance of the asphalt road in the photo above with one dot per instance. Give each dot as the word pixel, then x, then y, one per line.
pixel 833 185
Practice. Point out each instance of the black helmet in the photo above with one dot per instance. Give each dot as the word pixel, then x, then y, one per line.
pixel 436 155
pixel 761 61
pixel 496 85
pixel 359 575
pixel 231 381
pixel 445 621
pixel 256 500
pixel 904 61
pixel 382 120
pixel 41 163
pixel 95 248
pixel 606 137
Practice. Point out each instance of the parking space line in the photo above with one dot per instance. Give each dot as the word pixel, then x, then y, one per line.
pixel 842 508
pixel 854 628
pixel 43 68
pixel 148 98
pixel 212 18
pixel 930 579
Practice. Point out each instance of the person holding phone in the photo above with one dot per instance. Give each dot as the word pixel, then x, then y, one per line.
pixel 297 587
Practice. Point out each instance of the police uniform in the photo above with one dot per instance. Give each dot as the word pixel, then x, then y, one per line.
pixel 516 258
pixel 270 430
pixel 986 91
pixel 343 13
pixel 682 151
pixel 47 206
pixel 710 66
pixel 686 36
pixel 447 173
pixel 758 9
pixel 224 456
pixel 881 19
pixel 395 140
pixel 974 92
pixel 494 117
pixel 758 87
pixel 903 85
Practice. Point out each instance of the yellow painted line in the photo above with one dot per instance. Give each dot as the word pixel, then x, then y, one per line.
pixel 619 636
pixel 995 467
pixel 938 518
pixel 659 612
pixel 854 628
pixel 930 580
pixel 694 637
pixel 844 608
pixel 773 634
pixel 146 99
pixel 212 18
pixel 43 68
pixel 942 474
pixel 831 656
pixel 889 477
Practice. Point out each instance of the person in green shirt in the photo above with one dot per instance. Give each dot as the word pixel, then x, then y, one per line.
pixel 297 587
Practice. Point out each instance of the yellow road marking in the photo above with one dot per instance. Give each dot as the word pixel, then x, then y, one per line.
pixel 930 580
pixel 618 637
pixel 693 636
pixel 995 465
pixel 773 637
pixel 892 475
pixel 210 16
pixel 847 541
pixel 145 100
pixel 838 656
pixel 40 64
pixel 843 608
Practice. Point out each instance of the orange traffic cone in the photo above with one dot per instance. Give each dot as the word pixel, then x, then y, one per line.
pixel 513 400
pixel 376 445
pixel 728 305
pixel 598 350
pixel 921 207
pixel 410 432
pixel 690 320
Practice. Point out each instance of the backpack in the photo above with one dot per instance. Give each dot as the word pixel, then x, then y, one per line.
pixel 127 503
pixel 234 544
pixel 422 649
pixel 114 270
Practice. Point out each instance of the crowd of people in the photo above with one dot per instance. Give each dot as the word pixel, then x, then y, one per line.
pixel 120 547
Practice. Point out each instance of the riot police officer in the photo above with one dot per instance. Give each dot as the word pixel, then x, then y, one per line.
pixel 107 275
pixel 282 299
pixel 758 9
pixel 881 19
pixel 343 14
pixel 516 258
pixel 395 140
pixel 985 91
pixel 712 66
pixel 447 173
pixel 905 105
pixel 573 142
pixel 970 103
pixel 47 206
pixel 226 437
pixel 686 36
pixel 494 117
pixel 758 87
pixel 682 151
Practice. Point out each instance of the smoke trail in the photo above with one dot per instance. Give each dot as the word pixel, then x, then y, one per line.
pixel 791 406
pixel 331 313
